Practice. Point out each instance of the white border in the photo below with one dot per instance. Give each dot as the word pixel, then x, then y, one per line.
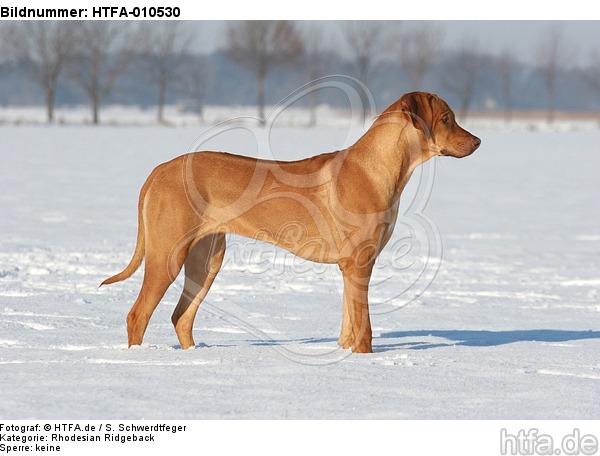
pixel 344 10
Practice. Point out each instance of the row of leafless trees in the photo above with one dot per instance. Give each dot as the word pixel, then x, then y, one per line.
pixel 94 53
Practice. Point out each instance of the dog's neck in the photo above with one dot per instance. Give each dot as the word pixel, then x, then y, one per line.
pixel 393 146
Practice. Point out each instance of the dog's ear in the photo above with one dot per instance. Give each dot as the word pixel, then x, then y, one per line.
pixel 409 107
pixel 418 106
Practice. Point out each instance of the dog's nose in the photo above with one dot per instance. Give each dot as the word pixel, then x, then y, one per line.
pixel 476 142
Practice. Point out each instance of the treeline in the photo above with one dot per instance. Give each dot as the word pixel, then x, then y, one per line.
pixel 260 62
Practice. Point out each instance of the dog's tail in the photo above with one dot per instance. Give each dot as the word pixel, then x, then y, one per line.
pixel 140 247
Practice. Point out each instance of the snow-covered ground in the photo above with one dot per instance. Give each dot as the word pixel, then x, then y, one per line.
pixel 507 328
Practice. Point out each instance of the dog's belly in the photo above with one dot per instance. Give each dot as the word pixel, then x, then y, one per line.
pixel 295 225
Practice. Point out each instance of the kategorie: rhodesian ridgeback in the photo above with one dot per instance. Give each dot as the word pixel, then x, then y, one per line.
pixel 345 203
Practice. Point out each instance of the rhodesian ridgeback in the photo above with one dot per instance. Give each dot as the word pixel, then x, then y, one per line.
pixel 338 207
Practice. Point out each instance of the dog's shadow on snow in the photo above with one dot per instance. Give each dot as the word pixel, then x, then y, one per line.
pixel 448 338
pixel 477 338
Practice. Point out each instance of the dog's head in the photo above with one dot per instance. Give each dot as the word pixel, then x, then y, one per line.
pixel 434 118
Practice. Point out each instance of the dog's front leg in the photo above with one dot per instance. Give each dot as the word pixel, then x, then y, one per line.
pixel 346 335
pixel 356 324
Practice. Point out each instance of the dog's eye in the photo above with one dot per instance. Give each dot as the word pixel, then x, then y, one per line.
pixel 446 120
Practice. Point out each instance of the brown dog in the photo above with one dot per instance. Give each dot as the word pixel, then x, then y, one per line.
pixel 339 207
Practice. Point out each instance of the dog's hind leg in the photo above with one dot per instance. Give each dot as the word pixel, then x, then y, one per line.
pixel 166 251
pixel 159 273
pixel 201 267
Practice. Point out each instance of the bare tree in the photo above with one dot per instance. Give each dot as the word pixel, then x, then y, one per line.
pixel 7 51
pixel 316 64
pixel 591 74
pixel 45 47
pixel 195 82
pixel 463 72
pixel 99 57
pixel 553 56
pixel 260 46
pixel 365 40
pixel 418 49
pixel 164 45
pixel 506 70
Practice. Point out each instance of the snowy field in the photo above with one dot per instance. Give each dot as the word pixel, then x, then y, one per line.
pixel 507 326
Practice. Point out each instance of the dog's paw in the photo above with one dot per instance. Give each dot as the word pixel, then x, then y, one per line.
pixel 346 341
pixel 362 347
